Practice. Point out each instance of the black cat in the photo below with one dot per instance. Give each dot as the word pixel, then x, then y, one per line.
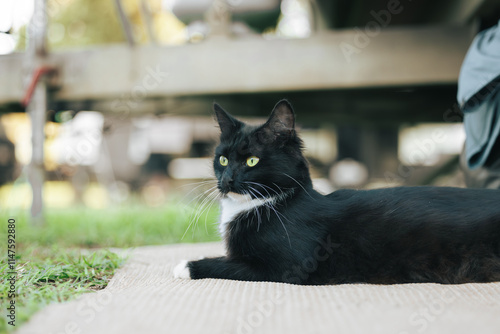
pixel 278 228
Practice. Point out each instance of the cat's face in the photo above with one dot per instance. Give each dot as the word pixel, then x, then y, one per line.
pixel 260 161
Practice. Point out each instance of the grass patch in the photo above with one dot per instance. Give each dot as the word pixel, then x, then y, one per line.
pixel 47 275
pixel 127 226
pixel 51 265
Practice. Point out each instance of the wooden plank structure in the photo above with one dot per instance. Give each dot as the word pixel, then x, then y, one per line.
pixel 403 57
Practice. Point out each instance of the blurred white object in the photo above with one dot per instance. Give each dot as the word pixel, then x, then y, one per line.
pixel 191 168
pixel 170 135
pixel 423 145
pixel 7 44
pixel 349 173
pixel 296 21
pixel 80 139
pixel 323 186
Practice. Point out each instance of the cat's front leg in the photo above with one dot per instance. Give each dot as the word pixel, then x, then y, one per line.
pixel 181 270
pixel 219 267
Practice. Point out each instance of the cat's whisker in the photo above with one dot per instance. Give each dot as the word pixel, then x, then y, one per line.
pixel 258 192
pixel 282 189
pixel 211 204
pixel 256 209
pixel 263 186
pixel 279 195
pixel 298 184
pixel 205 206
pixel 198 185
pixel 199 208
pixel 201 185
pixel 208 199
pixel 209 179
pixel 204 193
pixel 271 206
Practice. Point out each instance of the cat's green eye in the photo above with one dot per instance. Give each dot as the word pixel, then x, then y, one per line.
pixel 252 161
pixel 223 160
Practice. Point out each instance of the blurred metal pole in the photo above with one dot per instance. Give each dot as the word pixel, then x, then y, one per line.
pixel 37 113
pixel 37 107
pixel 127 29
pixel 148 21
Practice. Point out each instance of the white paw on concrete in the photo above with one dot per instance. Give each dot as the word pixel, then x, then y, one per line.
pixel 181 270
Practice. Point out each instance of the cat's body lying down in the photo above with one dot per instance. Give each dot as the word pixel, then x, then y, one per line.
pixel 278 228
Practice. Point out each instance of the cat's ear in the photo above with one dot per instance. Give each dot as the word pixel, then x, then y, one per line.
pixel 281 123
pixel 282 118
pixel 228 124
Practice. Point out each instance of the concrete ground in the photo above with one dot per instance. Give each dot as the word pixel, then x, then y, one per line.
pixel 143 297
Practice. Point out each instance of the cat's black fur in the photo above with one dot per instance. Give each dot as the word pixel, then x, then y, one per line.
pixel 385 236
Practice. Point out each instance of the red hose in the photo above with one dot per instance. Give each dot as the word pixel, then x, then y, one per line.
pixel 34 80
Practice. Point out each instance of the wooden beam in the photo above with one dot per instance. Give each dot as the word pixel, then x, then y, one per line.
pixel 331 60
pixel 459 12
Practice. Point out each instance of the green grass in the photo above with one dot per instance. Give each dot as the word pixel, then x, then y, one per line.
pixel 126 226
pixel 51 265
pixel 47 275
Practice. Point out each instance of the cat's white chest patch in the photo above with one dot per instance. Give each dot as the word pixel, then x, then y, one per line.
pixel 235 204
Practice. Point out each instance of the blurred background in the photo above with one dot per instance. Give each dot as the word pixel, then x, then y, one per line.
pixel 108 103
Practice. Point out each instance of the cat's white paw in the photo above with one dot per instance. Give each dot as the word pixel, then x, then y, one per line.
pixel 181 270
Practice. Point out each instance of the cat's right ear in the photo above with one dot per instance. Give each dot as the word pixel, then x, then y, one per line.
pixel 228 124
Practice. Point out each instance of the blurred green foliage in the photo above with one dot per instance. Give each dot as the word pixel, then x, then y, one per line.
pixel 81 23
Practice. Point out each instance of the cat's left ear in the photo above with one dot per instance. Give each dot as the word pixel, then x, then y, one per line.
pixel 281 123
pixel 228 124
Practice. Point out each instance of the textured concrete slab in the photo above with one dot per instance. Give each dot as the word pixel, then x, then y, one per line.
pixel 143 297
